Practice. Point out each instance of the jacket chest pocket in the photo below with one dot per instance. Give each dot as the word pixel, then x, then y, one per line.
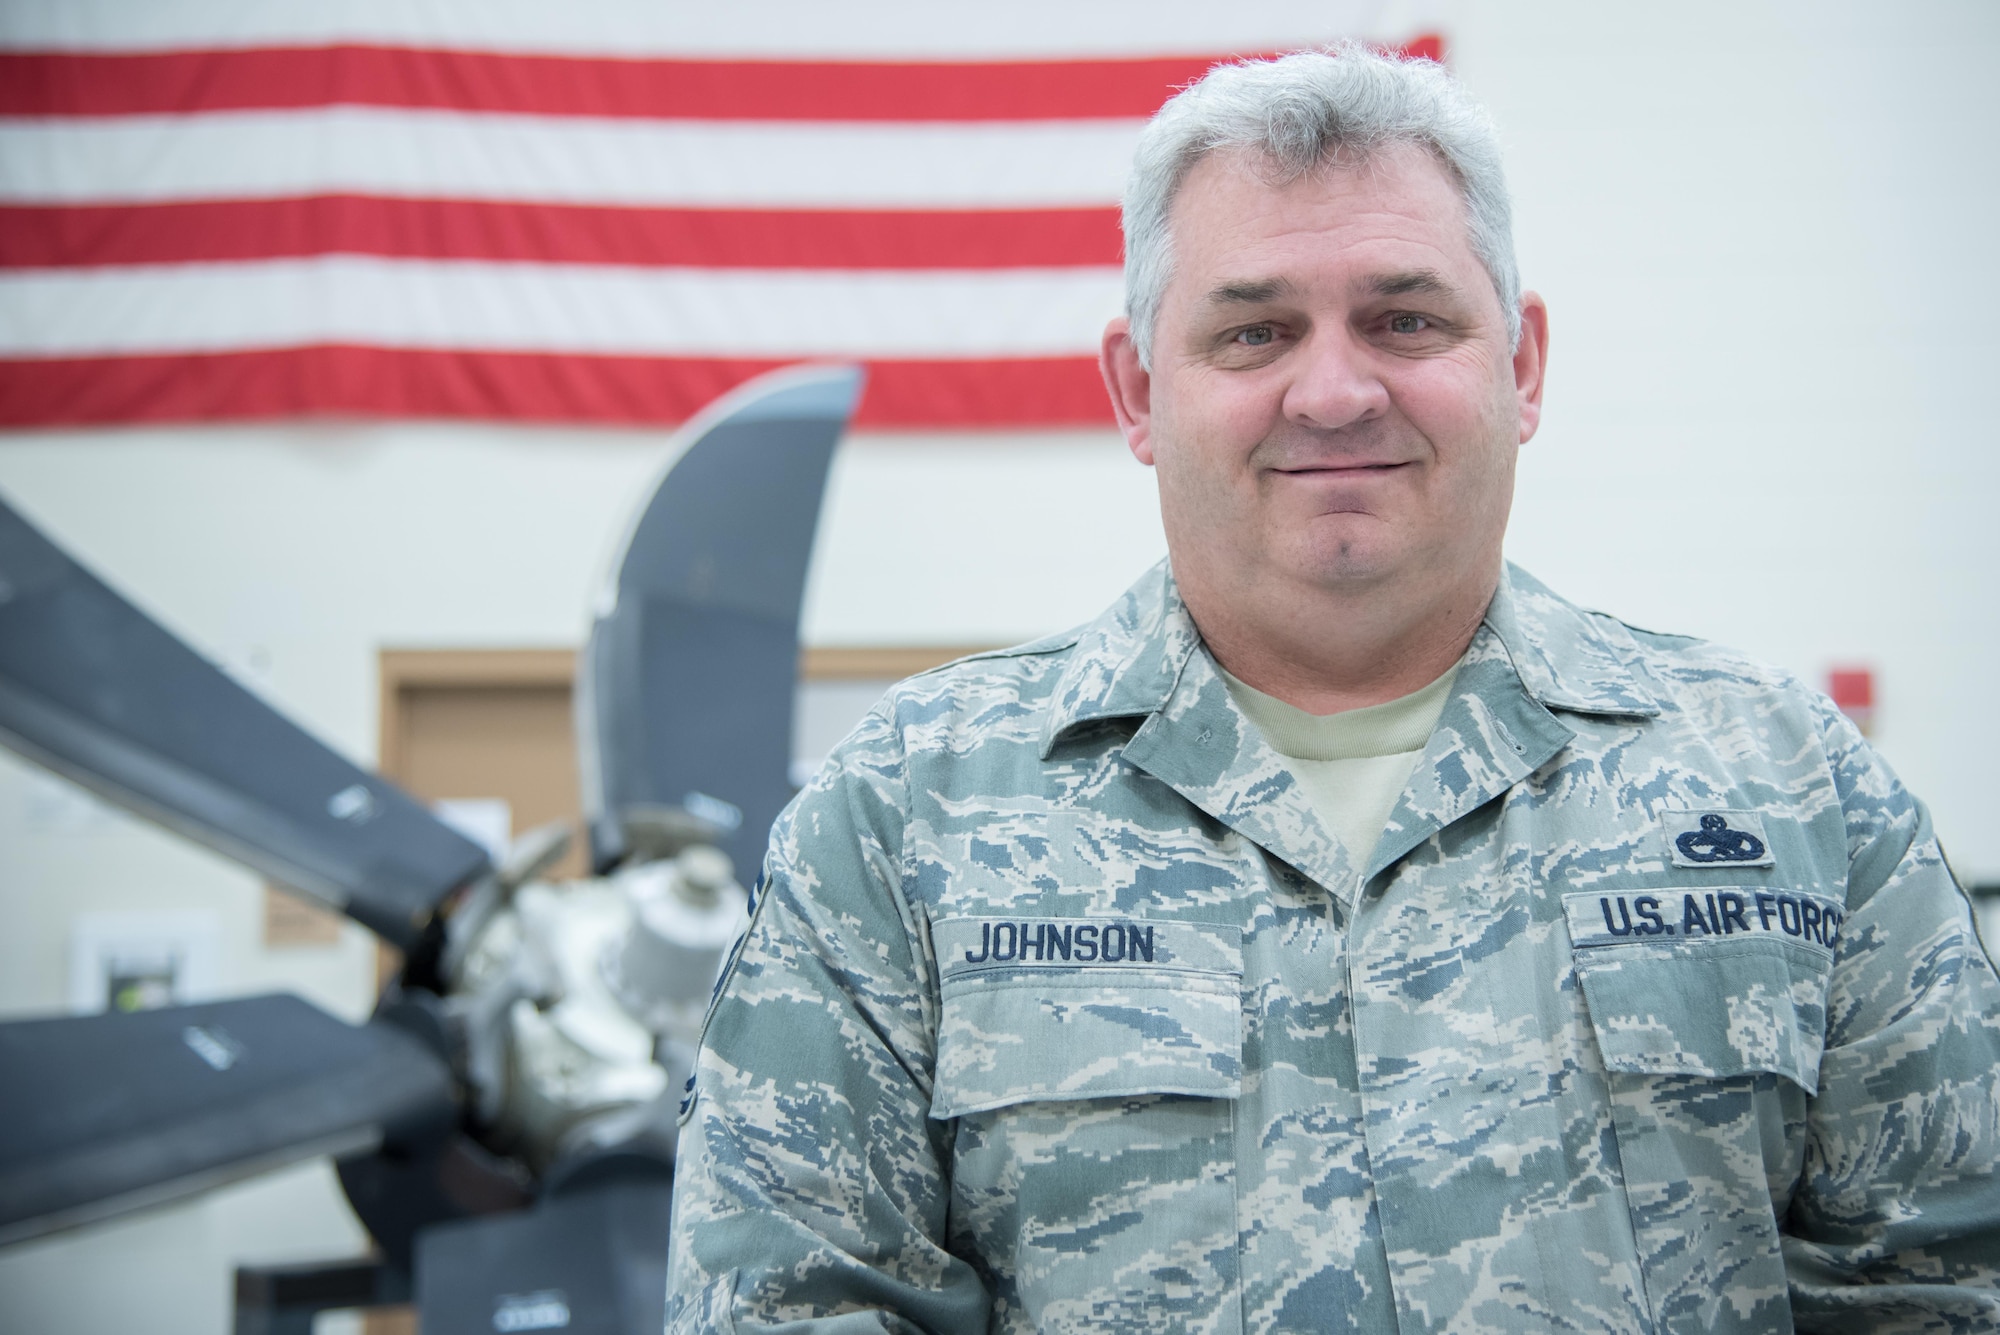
pixel 1092 1068
pixel 1709 1011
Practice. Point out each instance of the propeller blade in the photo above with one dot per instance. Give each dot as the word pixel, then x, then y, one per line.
pixel 685 692
pixel 96 690
pixel 103 1114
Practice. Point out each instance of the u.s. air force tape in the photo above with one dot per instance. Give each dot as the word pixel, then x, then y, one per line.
pixel 1709 913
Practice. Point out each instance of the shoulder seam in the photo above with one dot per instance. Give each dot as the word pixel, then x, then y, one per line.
pixel 1052 644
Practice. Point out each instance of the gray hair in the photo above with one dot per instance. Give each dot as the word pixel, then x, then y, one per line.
pixel 1300 111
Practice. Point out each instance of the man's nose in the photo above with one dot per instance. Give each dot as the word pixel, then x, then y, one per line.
pixel 1334 382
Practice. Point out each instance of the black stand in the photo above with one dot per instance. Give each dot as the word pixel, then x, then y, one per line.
pixel 283 1299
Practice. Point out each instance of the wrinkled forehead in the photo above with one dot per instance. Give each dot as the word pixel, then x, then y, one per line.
pixel 1230 186
pixel 1262 169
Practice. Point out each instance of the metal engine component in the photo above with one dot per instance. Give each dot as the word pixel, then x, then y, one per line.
pixel 581 1004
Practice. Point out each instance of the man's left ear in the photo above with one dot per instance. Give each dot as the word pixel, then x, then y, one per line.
pixel 1531 362
pixel 1130 387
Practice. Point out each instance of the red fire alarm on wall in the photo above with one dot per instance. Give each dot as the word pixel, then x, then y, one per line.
pixel 1853 689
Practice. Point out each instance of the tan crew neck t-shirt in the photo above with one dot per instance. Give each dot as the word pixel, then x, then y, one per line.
pixel 1352 766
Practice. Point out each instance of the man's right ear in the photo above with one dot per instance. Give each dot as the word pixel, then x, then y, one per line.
pixel 1130 386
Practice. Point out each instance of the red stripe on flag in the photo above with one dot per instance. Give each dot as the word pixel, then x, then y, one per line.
pixel 68 84
pixel 219 230
pixel 93 84
pixel 391 382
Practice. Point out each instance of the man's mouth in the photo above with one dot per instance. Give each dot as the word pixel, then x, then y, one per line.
pixel 1356 468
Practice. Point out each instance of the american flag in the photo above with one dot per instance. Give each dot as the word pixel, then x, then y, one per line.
pixel 594 212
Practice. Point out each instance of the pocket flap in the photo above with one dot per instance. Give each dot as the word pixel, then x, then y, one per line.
pixel 1040 1009
pixel 1710 1002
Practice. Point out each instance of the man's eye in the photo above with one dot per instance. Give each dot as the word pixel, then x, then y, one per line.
pixel 1408 324
pixel 1256 336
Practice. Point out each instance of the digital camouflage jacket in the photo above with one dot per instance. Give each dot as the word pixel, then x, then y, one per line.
pixel 1655 1008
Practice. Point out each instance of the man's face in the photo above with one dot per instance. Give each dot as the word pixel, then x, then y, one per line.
pixel 1332 401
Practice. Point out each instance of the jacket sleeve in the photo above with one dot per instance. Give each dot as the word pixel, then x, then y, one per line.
pixel 810 1192
pixel 1895 1224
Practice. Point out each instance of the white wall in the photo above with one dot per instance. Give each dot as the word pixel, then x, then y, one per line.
pixel 1762 229
pixel 1764 232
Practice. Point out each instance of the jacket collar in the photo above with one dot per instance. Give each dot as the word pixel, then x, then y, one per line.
pixel 1144 659
pixel 1566 660
pixel 1129 661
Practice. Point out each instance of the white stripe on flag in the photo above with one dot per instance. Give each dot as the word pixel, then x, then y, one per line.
pixel 445 154
pixel 554 308
pixel 811 29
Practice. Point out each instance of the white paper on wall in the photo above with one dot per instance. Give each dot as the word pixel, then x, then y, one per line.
pixel 143 960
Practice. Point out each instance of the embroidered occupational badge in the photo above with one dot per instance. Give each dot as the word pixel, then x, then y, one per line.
pixel 1717 839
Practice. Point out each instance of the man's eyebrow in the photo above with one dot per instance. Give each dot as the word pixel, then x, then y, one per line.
pixel 1250 292
pixel 1410 282
pixel 1421 282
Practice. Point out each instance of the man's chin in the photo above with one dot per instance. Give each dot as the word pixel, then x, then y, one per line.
pixel 1351 565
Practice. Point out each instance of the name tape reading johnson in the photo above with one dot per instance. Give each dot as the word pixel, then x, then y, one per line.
pixel 966 945
pixel 1613 917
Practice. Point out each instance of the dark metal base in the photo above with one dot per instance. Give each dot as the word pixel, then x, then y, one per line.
pixel 283 1299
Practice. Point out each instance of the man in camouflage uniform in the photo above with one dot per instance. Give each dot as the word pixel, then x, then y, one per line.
pixel 1081 994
